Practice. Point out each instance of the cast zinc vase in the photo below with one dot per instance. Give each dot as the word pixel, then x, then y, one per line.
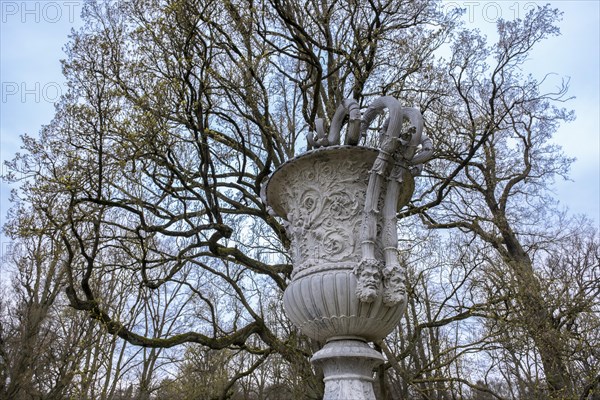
pixel 321 196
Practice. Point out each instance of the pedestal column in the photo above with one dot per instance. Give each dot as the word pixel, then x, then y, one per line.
pixel 348 366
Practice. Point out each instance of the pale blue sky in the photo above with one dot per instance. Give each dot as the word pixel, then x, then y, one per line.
pixel 33 33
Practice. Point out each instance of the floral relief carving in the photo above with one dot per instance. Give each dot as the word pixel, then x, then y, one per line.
pixel 324 206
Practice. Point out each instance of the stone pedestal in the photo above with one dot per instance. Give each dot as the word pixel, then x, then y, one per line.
pixel 348 366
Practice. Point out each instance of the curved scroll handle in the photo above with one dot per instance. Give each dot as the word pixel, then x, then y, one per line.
pixel 394 122
pixel 406 144
pixel 425 153
pixel 321 139
pixel 413 155
pixel 357 128
pixel 348 107
pixel 401 154
pixel 351 108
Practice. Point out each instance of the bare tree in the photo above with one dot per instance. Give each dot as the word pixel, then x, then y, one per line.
pixel 501 162
pixel 149 177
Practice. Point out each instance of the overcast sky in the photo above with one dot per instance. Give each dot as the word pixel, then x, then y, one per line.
pixel 33 33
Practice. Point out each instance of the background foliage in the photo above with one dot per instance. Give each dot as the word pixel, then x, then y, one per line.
pixel 146 265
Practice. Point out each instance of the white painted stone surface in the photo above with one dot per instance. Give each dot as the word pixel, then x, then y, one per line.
pixel 348 368
pixel 322 195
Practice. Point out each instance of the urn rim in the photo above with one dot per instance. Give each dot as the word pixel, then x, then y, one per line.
pixel 267 193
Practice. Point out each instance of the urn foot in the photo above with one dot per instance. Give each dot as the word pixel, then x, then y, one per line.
pixel 348 366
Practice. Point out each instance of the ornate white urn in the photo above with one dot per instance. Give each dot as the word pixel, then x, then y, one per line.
pixel 339 205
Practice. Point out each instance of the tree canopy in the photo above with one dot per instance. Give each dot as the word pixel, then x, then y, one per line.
pixel 139 221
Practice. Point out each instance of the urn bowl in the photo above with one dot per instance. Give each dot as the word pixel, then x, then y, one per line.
pixel 321 196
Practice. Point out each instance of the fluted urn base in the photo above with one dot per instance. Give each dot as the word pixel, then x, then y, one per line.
pixel 324 305
pixel 348 366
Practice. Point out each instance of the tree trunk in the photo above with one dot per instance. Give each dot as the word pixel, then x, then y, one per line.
pixel 536 317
